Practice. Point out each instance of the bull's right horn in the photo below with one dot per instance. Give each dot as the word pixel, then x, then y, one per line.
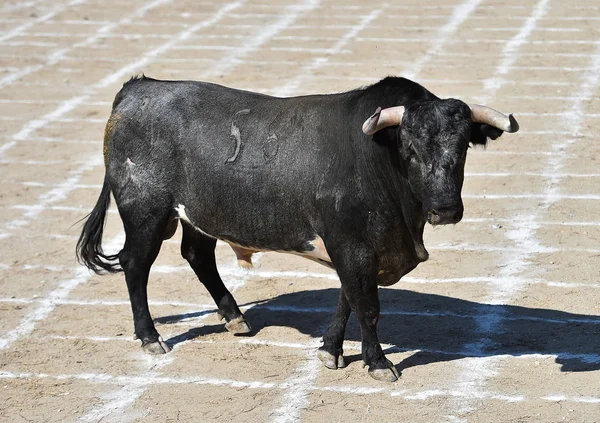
pixel 492 117
pixel 391 116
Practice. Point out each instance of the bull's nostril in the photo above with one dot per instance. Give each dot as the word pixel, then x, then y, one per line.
pixel 433 217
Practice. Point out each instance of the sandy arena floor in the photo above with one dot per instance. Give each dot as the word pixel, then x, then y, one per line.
pixel 502 324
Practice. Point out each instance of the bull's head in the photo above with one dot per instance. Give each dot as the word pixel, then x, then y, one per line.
pixel 433 140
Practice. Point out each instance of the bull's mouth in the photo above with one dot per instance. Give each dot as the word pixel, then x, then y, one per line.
pixel 448 216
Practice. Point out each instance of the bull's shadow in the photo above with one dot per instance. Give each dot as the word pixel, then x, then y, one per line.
pixel 441 328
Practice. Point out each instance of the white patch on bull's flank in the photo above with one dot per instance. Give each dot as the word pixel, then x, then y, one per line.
pixel 182 215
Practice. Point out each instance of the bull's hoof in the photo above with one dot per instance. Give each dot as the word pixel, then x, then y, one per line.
pixel 238 326
pixel 331 361
pixel 158 347
pixel 389 374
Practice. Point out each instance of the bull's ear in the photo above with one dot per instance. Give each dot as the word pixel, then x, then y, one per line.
pixel 480 132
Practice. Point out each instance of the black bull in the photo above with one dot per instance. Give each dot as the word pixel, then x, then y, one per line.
pixel 287 174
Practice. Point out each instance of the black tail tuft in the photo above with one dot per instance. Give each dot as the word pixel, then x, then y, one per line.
pixel 89 247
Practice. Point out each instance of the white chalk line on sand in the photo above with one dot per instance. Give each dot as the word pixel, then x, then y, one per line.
pixel 459 15
pixel 190 318
pixel 467 174
pixel 282 274
pixel 312 346
pixel 233 57
pixel 293 85
pixel 59 193
pixel 15 32
pixel 59 55
pixel 406 394
pixel 49 302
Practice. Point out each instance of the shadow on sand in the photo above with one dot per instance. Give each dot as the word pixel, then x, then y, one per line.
pixel 439 328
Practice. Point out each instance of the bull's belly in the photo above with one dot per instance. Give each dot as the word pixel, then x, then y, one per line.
pixel 318 254
pixel 315 250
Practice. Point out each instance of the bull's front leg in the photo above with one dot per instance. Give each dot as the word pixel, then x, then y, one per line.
pixel 357 269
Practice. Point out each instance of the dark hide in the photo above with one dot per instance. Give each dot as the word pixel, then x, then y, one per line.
pixel 272 173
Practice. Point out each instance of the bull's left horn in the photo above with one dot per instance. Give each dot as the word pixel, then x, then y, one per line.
pixel 382 119
pixel 489 116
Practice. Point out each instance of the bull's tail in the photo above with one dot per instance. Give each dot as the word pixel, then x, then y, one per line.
pixel 89 247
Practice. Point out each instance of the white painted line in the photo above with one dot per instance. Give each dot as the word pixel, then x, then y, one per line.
pixel 59 55
pixel 228 62
pixel 294 84
pixel 60 120
pixel 149 56
pixel 576 121
pixel 15 32
pixel 211 309
pixel 559 398
pixel 41 208
pixel 19 5
pixel 496 220
pixel 549 197
pixel 411 395
pixel 348 346
pixel 55 195
pixel 115 403
pixel 233 271
pixel 295 398
pixel 535 174
pixel 49 302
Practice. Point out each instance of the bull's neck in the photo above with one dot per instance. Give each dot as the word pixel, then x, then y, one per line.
pixel 390 186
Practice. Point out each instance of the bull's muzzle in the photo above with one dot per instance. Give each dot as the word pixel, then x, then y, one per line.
pixel 445 216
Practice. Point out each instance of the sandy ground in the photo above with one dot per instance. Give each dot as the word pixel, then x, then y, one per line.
pixel 502 324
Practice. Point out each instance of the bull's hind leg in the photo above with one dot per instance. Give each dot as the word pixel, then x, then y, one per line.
pixel 199 250
pixel 332 353
pixel 143 240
